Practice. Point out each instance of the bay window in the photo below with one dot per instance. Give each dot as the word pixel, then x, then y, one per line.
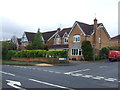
pixel 76 52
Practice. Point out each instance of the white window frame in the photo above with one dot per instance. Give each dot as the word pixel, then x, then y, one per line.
pixel 76 38
pixel 66 39
pixel 57 40
pixel 99 40
pixel 77 53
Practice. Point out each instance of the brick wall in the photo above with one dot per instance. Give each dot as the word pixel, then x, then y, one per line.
pixel 41 59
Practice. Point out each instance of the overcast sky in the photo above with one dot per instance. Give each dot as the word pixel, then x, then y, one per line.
pixel 27 15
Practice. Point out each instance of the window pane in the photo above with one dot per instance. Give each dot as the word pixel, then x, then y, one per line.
pixel 79 52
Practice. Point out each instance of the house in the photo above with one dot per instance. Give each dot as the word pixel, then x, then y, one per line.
pixel 71 38
pixel 29 36
pixel 115 41
pixel 96 34
pixel 60 40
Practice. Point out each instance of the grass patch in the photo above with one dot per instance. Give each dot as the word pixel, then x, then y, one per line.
pixel 17 63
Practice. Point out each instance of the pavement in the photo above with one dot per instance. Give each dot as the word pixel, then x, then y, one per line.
pixel 75 75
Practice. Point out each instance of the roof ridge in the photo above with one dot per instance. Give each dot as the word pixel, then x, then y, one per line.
pixel 48 31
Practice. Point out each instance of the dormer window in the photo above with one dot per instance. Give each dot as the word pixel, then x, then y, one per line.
pixel 66 40
pixel 57 40
pixel 76 38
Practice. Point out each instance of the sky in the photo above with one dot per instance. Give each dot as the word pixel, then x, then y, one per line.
pixel 28 15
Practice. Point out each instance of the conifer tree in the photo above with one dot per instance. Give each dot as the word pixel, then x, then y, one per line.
pixel 37 42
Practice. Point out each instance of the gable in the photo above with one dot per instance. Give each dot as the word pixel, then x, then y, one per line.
pixel 76 26
pixel 24 38
pixel 104 29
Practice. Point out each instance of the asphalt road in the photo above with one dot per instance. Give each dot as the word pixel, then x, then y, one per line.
pixel 77 75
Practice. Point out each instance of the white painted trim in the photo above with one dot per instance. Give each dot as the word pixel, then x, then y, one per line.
pixel 78 53
pixel 52 36
pixel 64 40
pixel 78 26
pixel 58 35
pixel 24 35
pixel 64 34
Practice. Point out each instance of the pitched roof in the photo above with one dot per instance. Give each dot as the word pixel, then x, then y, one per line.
pixel 46 35
pixel 116 37
pixel 87 29
pixel 30 35
pixel 62 32
pixel 19 41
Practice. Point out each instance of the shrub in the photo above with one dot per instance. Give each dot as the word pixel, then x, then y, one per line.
pixel 87 50
pixel 104 52
pixel 10 54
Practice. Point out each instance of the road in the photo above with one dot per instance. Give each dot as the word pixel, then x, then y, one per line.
pixel 75 76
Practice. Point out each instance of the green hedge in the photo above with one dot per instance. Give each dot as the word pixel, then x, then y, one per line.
pixel 10 54
pixel 42 53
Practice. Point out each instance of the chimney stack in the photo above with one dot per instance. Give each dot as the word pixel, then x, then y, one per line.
pixel 95 24
pixel 58 29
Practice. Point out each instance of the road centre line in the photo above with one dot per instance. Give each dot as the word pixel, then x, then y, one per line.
pixel 50 84
pixel 7 73
pixel 77 71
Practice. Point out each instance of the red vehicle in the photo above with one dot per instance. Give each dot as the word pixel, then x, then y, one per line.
pixel 114 55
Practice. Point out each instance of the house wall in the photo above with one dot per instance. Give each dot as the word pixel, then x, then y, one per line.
pixel 114 43
pixel 105 41
pixel 50 42
pixel 76 31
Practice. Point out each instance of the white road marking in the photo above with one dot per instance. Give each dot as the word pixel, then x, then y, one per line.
pixel 111 79
pixel 87 76
pixel 50 84
pixel 57 72
pixel 14 83
pixel 102 66
pixel 51 71
pixel 77 71
pixel 76 74
pixel 7 73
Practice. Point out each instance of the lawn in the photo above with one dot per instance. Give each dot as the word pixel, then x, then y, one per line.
pixel 16 63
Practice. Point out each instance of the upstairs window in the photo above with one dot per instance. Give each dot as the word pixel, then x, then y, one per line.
pixel 99 40
pixel 66 40
pixel 76 38
pixel 57 40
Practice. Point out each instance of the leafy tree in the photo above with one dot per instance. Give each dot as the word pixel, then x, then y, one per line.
pixel 104 52
pixel 6 46
pixel 12 46
pixel 87 50
pixel 37 42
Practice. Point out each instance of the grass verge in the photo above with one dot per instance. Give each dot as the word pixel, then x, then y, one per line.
pixel 16 63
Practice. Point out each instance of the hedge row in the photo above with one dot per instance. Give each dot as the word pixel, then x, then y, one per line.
pixel 42 53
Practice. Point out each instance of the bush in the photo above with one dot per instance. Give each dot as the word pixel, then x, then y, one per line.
pixel 87 50
pixel 10 54
pixel 104 52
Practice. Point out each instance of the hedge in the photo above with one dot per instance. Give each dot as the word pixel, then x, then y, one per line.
pixel 42 53
pixel 10 54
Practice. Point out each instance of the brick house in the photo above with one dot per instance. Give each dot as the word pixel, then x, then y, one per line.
pixel 29 36
pixel 71 38
pixel 115 41
pixel 95 33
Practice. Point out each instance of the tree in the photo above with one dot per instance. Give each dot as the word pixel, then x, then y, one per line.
pixel 7 46
pixel 37 42
pixel 87 50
